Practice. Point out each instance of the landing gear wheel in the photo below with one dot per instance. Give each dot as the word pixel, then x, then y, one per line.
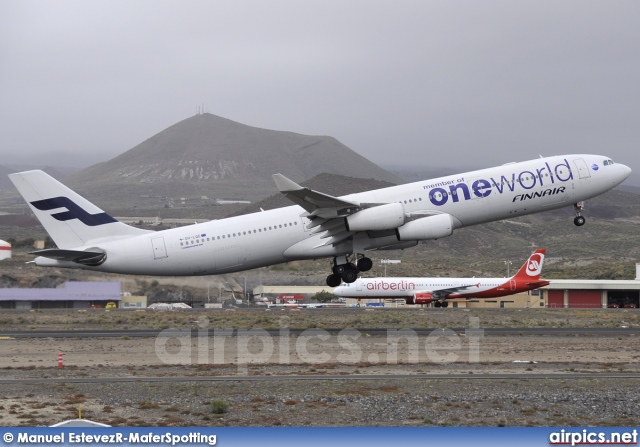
pixel 577 209
pixel 339 269
pixel 364 264
pixel 437 304
pixel 350 275
pixel 333 280
pixel 445 304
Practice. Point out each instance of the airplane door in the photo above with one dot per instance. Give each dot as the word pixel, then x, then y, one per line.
pixel 512 284
pixel 159 249
pixel 583 170
pixel 358 285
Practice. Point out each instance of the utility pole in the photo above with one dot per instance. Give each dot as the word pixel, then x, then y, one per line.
pixel 389 261
pixel 508 264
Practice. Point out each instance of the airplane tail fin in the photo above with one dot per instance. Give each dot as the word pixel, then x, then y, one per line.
pixel 530 270
pixel 71 220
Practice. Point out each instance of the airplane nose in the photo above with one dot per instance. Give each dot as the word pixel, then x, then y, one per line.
pixel 626 171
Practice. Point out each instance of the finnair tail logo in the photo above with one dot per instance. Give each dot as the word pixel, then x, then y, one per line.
pixel 534 266
pixel 74 211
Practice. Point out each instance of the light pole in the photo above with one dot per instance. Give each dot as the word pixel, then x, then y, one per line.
pixel 209 291
pixel 389 261
pixel 508 264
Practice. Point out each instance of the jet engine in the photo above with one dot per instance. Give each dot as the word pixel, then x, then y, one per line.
pixel 420 298
pixel 431 227
pixel 382 217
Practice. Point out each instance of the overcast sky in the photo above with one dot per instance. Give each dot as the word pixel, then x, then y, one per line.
pixel 421 83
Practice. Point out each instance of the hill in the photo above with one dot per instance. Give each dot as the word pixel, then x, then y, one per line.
pixel 206 155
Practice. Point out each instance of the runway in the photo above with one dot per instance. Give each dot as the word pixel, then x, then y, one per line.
pixel 322 377
pixel 297 332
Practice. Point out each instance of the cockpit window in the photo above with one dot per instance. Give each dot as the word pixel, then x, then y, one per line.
pixel 608 162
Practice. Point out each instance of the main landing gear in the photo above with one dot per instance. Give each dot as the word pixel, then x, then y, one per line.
pixel 579 220
pixel 344 269
pixel 440 304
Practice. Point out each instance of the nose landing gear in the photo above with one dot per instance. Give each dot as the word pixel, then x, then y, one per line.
pixel 579 220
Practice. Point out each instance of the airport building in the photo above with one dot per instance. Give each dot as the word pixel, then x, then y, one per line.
pixel 591 294
pixel 70 295
pixel 301 294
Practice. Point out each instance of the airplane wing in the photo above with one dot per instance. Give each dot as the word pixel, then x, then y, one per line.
pixel 446 291
pixel 322 209
pixel 326 212
pixel 314 202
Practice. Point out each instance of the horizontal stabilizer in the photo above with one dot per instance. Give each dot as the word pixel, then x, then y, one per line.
pixel 537 284
pixel 81 257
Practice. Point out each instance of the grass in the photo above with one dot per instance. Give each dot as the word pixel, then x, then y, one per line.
pixel 219 406
pixel 68 319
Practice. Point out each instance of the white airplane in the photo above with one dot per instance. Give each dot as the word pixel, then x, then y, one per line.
pixel 319 226
pixel 438 290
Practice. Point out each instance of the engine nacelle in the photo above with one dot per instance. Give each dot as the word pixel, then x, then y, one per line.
pixel 420 298
pixel 425 228
pixel 383 217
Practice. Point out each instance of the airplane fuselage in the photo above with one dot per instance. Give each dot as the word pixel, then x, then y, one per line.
pixel 408 287
pixel 281 235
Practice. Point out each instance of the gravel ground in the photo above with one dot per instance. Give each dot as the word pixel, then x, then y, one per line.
pixel 402 401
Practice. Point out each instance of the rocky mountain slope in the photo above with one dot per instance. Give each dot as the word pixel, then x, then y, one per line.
pixel 206 155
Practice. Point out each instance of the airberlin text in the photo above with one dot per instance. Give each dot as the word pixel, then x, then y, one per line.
pixel 391 285
pixel 544 176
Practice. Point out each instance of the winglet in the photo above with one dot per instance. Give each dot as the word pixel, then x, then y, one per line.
pixel 284 184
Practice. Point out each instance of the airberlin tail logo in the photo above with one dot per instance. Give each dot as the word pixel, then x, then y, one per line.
pixel 534 265
pixel 74 211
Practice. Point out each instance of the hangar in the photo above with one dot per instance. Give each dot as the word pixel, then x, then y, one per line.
pixel 70 295
pixel 592 294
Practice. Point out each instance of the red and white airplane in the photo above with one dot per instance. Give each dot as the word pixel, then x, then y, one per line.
pixel 438 290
